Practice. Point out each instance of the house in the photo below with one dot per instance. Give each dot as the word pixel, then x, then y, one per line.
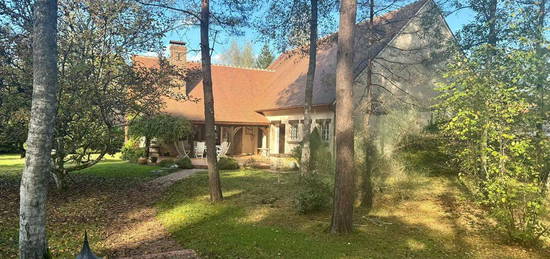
pixel 262 109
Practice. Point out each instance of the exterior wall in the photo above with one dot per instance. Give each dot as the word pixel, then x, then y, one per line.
pixel 404 80
pixel 285 116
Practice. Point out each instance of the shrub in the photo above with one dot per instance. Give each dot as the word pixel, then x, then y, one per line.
pixel 517 207
pixel 166 162
pixel 184 163
pixel 131 151
pixel 227 163
pixel 314 196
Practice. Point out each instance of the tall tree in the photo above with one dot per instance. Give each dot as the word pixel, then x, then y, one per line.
pixel 34 181
pixel 97 84
pixel 265 58
pixel 289 24
pixel 232 14
pixel 306 149
pixel 342 212
pixel 209 120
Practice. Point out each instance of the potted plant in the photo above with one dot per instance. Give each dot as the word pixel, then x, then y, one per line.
pixel 154 159
pixel 142 161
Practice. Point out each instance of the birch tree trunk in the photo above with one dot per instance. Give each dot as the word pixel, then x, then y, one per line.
pixel 306 149
pixel 213 174
pixel 34 181
pixel 342 213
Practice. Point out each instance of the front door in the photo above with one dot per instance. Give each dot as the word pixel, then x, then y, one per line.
pixel 281 138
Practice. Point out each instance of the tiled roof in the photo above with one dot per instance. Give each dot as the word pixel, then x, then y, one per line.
pixel 239 93
pixel 236 92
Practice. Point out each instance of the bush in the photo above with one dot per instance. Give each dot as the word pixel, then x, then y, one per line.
pixel 184 163
pixel 314 196
pixel 166 163
pixel 131 151
pixel 517 207
pixel 227 163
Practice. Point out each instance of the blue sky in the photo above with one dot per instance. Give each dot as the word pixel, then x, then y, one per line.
pixel 191 36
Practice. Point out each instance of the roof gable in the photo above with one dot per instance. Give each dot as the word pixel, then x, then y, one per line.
pixel 286 89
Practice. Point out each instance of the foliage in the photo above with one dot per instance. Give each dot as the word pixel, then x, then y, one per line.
pixel 98 86
pixel 227 163
pixel 265 58
pixel 162 126
pixel 314 196
pixel 166 162
pixel 237 55
pixel 321 156
pixel 131 151
pixel 487 123
pixel 287 22
pixel 184 163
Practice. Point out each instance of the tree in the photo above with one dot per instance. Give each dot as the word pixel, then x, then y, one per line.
pixel 237 57
pixel 342 212
pixel 232 55
pixel 247 55
pixel 164 127
pixel 98 87
pixel 234 14
pixel 489 106
pixel 34 180
pixel 209 120
pixel 290 25
pixel 308 102
pixel 265 58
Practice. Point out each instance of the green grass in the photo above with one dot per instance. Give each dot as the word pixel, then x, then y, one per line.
pixel 416 216
pixel 110 167
pixel 11 165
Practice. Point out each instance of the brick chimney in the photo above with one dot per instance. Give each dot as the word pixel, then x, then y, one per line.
pixel 178 53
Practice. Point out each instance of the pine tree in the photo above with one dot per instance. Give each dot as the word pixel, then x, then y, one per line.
pixel 265 58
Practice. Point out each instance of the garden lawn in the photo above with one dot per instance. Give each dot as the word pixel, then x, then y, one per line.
pixel 416 216
pixel 100 196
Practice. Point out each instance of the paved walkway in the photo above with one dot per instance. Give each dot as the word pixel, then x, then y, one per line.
pixel 163 182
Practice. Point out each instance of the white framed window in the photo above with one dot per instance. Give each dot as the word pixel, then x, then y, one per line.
pixel 294 135
pixel 325 130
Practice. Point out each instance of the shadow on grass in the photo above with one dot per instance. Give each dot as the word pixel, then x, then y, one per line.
pixel 244 225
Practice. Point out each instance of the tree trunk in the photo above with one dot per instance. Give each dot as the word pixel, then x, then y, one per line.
pixel 213 174
pixel 540 43
pixel 365 194
pixel 306 149
pixel 34 181
pixel 342 213
pixel 492 20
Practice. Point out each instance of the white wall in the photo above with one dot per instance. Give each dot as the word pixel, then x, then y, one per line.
pixel 284 116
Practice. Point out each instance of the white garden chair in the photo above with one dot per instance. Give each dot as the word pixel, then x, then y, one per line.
pixel 180 148
pixel 200 147
pixel 222 149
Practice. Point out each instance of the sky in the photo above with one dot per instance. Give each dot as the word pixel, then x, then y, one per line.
pixel 191 36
